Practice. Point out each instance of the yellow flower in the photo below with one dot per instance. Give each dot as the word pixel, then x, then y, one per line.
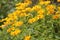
pixel 23 14
pixel 41 11
pixel 47 2
pixel 50 12
pixel 36 8
pixel 49 7
pixel 13 28
pixel 19 23
pixel 28 9
pixel 44 2
pixel 27 37
pixel 16 13
pixel 7 23
pixel 22 6
pixel 10 29
pixel 9 20
pixel 16 32
pixel 37 18
pixel 9 15
pixel 31 20
pixel 40 16
pixel 23 11
pixel 55 16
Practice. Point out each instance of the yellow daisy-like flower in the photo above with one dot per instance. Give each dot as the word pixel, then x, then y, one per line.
pixel 40 12
pixel 50 9
pixel 19 23
pixel 40 16
pixel 56 16
pixel 44 2
pixel 27 37
pixel 22 6
pixel 28 9
pixel 47 2
pixel 10 29
pixel 31 20
pixel 23 14
pixel 16 32
pixel 36 8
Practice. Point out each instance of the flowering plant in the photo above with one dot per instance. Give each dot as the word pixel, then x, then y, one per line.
pixel 32 22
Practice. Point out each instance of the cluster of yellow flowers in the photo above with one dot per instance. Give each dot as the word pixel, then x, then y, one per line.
pixel 22 6
pixel 17 24
pixel 13 18
pixel 13 31
pixel 39 15
pixel 24 10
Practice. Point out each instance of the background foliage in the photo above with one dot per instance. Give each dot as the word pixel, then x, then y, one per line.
pixel 7 6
